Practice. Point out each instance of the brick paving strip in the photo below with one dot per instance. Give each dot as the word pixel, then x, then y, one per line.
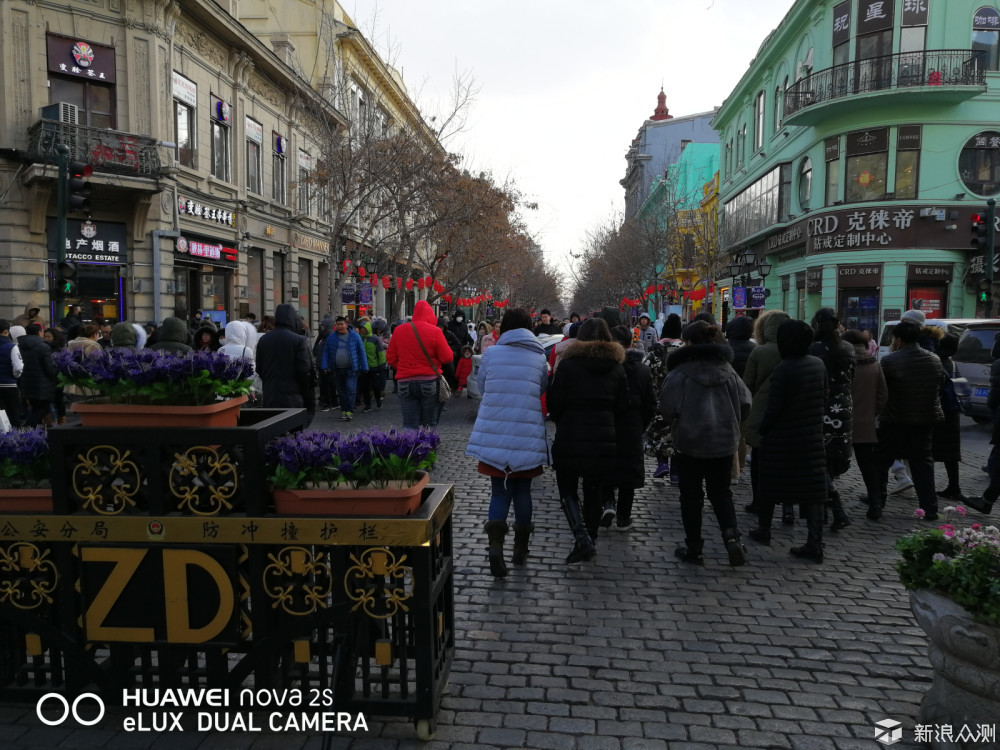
pixel 638 650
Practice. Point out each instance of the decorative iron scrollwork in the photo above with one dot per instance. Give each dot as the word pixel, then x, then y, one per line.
pixel 379 583
pixel 298 580
pixel 106 479
pixel 27 576
pixel 203 480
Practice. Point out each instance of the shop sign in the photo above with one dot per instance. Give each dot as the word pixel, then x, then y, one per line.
pixel 739 298
pixel 187 207
pixel 305 160
pixel 307 242
pixel 867 141
pixel 855 230
pixel 757 297
pixel 72 56
pixel 841 23
pixel 908 138
pixel 977 265
pixel 814 279
pixel 891 315
pixel 786 283
pixel 789 236
pixel 254 130
pixel 986 19
pixel 211 251
pixel 366 293
pixel 915 12
pixel 349 295
pixel 800 280
pixel 185 90
pixel 831 150
pixel 859 275
pixel 90 241
pixel 874 15
pixel 929 272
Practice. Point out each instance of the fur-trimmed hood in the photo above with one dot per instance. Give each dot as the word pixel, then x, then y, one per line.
pixel 706 364
pixel 595 355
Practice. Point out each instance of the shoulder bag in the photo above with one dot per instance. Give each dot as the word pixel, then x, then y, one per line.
pixel 444 390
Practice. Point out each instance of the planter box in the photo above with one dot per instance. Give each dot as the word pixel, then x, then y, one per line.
pixel 965 657
pixel 388 501
pixel 26 501
pixel 217 414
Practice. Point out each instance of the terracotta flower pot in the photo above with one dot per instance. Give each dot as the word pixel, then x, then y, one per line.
pixel 217 414
pixel 965 657
pixel 26 501
pixel 387 501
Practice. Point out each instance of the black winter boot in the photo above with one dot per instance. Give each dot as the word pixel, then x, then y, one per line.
pixel 583 550
pixel 495 532
pixel 735 548
pixel 983 504
pixel 840 518
pixel 691 552
pixel 813 548
pixel 522 533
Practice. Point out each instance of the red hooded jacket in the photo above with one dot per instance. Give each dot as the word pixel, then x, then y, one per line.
pixel 404 354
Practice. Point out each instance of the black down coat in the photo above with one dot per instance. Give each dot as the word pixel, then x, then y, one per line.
pixel 588 391
pixel 793 469
pixel 38 378
pixel 630 470
pixel 285 364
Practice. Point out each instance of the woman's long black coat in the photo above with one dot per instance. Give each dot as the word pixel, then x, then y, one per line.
pixel 632 423
pixel 793 451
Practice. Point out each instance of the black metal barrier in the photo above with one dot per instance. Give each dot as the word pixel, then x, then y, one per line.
pixel 162 565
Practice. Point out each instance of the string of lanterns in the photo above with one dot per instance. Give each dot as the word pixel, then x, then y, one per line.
pixel 694 294
pixel 424 282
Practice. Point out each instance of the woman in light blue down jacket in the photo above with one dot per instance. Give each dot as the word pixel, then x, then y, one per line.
pixel 509 435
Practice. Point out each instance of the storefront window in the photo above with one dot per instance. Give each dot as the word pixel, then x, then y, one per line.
pixel 278 291
pixel 986 35
pixel 906 174
pixel 305 289
pixel 859 309
pixel 255 281
pixel 866 177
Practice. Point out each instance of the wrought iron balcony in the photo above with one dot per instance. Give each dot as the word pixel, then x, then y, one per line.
pixel 904 70
pixel 105 150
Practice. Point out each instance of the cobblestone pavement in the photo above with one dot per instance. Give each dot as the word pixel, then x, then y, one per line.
pixel 638 650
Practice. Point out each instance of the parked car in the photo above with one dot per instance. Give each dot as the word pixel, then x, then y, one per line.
pixel 973 361
pixel 950 325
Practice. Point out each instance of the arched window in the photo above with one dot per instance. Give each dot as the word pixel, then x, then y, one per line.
pixel 986 35
pixel 758 121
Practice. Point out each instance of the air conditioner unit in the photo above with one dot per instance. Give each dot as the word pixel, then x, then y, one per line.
pixel 62 112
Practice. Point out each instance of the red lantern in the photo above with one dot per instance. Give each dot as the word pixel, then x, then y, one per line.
pixel 437 287
pixel 374 279
pixel 361 271
pixel 409 285
pixel 399 284
pixel 386 281
pixel 420 283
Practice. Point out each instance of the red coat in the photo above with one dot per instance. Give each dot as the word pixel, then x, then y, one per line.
pixel 404 354
pixel 463 370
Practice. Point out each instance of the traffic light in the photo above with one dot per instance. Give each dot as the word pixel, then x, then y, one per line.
pixel 78 189
pixel 980 228
pixel 66 272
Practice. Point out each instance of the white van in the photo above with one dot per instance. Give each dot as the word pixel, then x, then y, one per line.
pixel 950 325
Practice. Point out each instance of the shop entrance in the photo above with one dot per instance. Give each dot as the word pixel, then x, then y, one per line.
pixel 205 290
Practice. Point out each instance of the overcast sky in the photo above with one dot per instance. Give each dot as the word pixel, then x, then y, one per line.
pixel 565 85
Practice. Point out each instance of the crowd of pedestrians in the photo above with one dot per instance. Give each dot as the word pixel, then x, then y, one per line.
pixel 797 400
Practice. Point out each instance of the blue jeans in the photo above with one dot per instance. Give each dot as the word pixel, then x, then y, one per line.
pixel 506 490
pixel 419 402
pixel 347 387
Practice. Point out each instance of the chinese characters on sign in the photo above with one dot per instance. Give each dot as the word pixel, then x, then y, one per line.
pixel 965 736
pixel 864 229
pixel 205 250
pixel 70 56
pixel 90 241
pixel 208 213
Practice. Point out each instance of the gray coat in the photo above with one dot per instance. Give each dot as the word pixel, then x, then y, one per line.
pixel 704 401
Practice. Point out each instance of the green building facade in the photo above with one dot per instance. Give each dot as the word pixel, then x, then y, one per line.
pixel 856 150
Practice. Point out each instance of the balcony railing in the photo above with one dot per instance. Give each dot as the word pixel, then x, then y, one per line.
pixel 943 67
pixel 104 150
